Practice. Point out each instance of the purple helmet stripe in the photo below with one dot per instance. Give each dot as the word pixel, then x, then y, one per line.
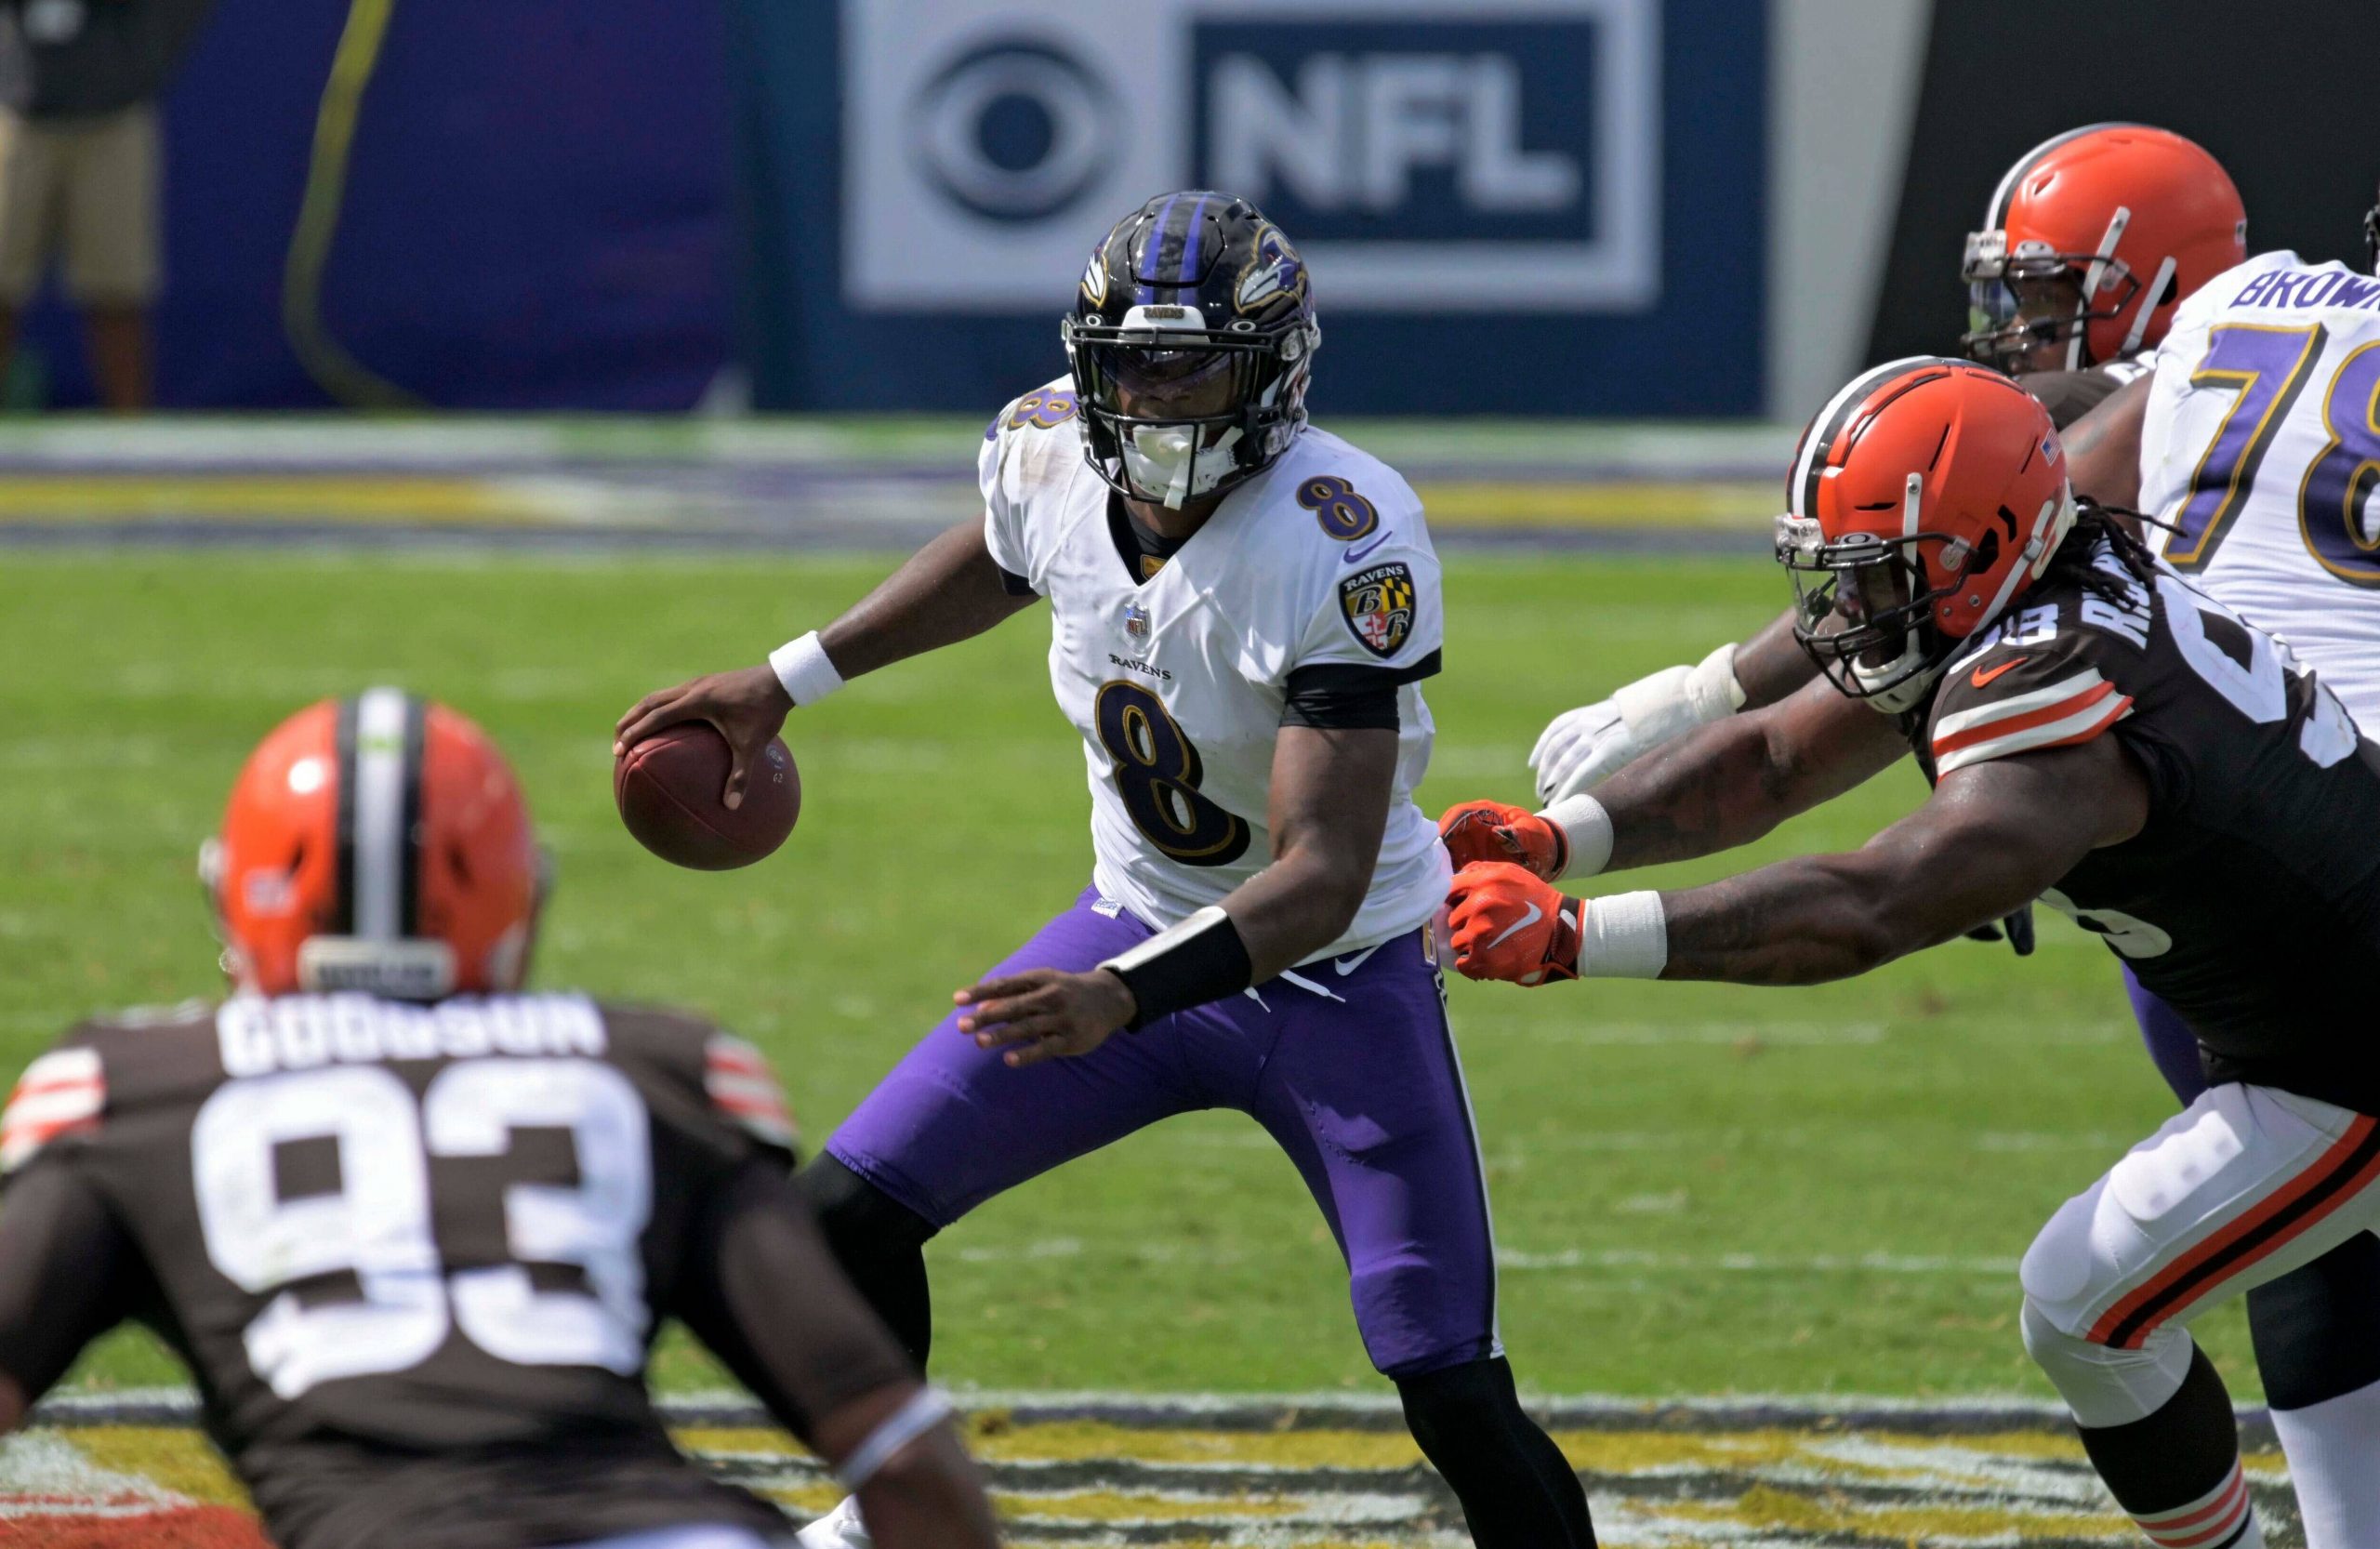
pixel 1151 256
pixel 1190 243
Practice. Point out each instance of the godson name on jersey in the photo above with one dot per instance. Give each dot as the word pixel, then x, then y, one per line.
pixel 2250 898
pixel 414 1255
pixel 1318 569
pixel 2259 449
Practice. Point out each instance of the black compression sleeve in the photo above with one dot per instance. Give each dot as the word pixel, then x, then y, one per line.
pixel 762 1290
pixel 1341 696
pixel 1363 709
pixel 65 1263
pixel 1014 584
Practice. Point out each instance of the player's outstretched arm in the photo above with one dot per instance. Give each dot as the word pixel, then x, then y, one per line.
pixel 1712 789
pixel 1990 839
pixel 949 590
pixel 1328 808
pixel 763 1290
pixel 1581 749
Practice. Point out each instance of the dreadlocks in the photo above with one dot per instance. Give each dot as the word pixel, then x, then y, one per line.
pixel 2075 561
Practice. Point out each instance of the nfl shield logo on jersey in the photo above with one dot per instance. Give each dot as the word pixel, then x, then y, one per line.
pixel 1379 606
pixel 1136 621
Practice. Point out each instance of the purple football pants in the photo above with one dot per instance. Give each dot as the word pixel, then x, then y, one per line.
pixel 1351 1070
pixel 2170 1042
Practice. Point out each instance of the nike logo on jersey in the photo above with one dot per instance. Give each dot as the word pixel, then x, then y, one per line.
pixel 1347 965
pixel 1981 678
pixel 1355 555
pixel 1534 915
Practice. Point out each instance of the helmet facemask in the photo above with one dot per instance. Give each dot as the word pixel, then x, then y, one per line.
pixel 1174 410
pixel 1863 609
pixel 2033 298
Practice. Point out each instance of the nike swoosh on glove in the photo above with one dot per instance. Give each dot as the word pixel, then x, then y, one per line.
pixel 1497 831
pixel 1510 925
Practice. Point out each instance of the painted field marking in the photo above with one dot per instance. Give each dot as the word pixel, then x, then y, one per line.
pixel 1325 1471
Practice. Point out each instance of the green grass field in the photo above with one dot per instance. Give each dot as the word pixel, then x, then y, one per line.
pixel 1700 1190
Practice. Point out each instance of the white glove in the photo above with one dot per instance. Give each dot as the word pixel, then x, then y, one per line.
pixel 1581 749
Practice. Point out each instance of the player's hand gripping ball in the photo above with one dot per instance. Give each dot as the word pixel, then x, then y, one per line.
pixel 1508 924
pixel 700 772
pixel 1497 831
pixel 668 785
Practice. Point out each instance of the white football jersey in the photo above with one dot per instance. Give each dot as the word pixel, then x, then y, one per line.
pixel 1177 683
pixel 2262 447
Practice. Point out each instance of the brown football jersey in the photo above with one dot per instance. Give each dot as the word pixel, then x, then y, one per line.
pixel 415 1255
pixel 2251 900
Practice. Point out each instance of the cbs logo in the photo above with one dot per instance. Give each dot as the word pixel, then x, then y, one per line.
pixel 1015 129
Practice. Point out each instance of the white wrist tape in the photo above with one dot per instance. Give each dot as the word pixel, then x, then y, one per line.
pixel 1713 686
pixel 1625 936
pixel 926 1408
pixel 802 666
pixel 1677 699
pixel 1587 825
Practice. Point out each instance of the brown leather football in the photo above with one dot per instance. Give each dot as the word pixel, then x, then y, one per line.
pixel 668 789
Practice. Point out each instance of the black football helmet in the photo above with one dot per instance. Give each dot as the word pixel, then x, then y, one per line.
pixel 1192 339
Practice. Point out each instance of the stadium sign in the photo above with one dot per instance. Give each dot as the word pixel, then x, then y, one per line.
pixel 1430 159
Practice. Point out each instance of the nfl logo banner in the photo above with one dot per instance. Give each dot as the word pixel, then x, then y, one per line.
pixel 1540 206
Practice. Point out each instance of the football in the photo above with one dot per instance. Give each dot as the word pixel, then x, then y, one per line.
pixel 667 790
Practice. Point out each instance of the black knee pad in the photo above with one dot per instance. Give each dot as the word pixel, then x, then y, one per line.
pixel 2318 1328
pixel 881 1243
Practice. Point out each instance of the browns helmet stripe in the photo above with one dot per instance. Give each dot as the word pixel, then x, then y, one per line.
pixel 342 912
pixel 1810 458
pixel 386 761
pixel 1995 215
pixel 409 871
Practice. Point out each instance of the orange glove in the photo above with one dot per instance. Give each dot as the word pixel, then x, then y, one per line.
pixel 1494 831
pixel 1510 925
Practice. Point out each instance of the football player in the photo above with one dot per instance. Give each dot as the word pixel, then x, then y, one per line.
pixel 2091 242
pixel 2100 734
pixel 2248 471
pixel 414 1229
pixel 1242 608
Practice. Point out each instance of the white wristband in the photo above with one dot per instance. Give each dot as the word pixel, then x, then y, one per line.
pixel 802 666
pixel 1587 826
pixel 1625 936
pixel 926 1408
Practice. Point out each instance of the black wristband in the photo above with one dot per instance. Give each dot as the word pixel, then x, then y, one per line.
pixel 1198 960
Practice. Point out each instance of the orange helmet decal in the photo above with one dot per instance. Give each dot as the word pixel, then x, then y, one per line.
pixel 1923 500
pixel 2135 217
pixel 379 843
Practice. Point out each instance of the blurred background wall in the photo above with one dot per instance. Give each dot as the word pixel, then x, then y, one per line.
pixel 1606 208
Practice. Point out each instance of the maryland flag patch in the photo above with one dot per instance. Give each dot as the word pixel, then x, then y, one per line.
pixel 1378 605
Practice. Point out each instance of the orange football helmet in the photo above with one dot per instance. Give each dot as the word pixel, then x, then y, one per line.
pixel 1923 499
pixel 381 845
pixel 2123 220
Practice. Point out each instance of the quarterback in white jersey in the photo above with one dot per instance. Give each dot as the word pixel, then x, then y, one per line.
pixel 1317 570
pixel 1241 611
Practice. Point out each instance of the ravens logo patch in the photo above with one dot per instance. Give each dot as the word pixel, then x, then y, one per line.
pixel 1378 605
